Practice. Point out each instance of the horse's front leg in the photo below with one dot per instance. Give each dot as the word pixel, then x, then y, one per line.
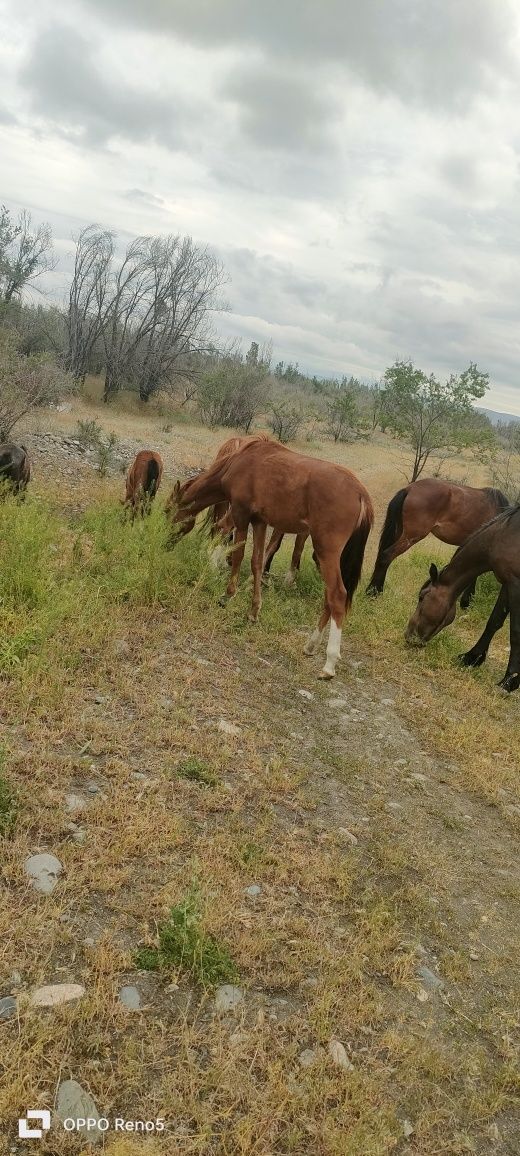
pixel 257 565
pixel 511 679
pixel 477 655
pixel 296 559
pixel 236 562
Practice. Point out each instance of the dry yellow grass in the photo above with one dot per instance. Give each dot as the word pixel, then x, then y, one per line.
pixel 331 946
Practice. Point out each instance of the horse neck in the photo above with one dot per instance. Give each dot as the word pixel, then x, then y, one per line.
pixel 206 489
pixel 469 561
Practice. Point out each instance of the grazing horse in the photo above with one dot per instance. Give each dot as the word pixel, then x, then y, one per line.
pixel 15 467
pixel 496 547
pixel 221 524
pixel 431 506
pixel 142 482
pixel 267 484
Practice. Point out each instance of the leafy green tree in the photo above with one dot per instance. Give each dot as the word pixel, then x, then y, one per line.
pixel 343 416
pixel 432 415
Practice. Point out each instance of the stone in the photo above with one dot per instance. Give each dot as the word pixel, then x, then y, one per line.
pixel 74 803
pixel 129 996
pixel 93 788
pixel 7 1007
pixel 408 1129
pixel 306 694
pixel 55 994
pixel 337 703
pixel 253 891
pixel 418 778
pixel 121 647
pixel 308 1057
pixel 227 998
pixel 339 1056
pixel 74 1103
pixel 348 836
pixel 431 981
pixel 228 728
pixel 43 871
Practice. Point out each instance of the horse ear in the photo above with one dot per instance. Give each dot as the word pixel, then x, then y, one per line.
pixel 434 573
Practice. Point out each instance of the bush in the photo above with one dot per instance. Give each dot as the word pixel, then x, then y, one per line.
pixel 26 382
pixel 343 417
pixel 285 421
pixel 234 391
pixel 183 943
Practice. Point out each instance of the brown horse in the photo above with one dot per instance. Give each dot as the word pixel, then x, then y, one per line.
pixel 268 485
pixel 221 525
pixel 432 506
pixel 15 467
pixel 496 547
pixel 142 482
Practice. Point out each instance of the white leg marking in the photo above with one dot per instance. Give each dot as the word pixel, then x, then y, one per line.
pixel 333 651
pixel 313 641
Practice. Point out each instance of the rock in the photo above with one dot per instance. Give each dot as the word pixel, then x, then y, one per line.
pixel 418 778
pixel 16 979
pixel 74 1103
pixel 431 981
pixel 228 728
pixel 408 1129
pixel 100 699
pixel 337 703
pixel 422 995
pixel 339 1056
pixel 388 701
pixel 253 891
pixel 7 1007
pixel 165 702
pixel 55 994
pixel 121 648
pixel 129 996
pixel 400 762
pixel 43 871
pixel 306 694
pixel 139 776
pixel 348 835
pixel 308 1057
pixel 227 998
pixel 74 803
pixel 93 788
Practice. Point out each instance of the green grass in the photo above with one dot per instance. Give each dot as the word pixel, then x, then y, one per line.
pixel 8 804
pixel 197 771
pixel 183 944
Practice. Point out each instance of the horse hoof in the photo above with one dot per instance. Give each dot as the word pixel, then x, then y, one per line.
pixel 325 674
pixel 252 618
pixel 472 658
pixel 510 682
pixel 289 579
pixel 373 591
pixel 223 601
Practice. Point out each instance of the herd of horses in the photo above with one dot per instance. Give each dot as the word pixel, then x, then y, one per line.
pixel 255 481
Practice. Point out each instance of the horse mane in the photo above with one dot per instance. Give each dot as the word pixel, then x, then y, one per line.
pixel 498 497
pixel 504 516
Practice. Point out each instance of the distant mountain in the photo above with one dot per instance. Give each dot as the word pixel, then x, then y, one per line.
pixel 495 416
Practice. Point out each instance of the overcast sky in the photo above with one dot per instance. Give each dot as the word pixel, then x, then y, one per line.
pixel 354 164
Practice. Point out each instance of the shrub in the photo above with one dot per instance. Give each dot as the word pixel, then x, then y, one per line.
pixel 183 943
pixel 25 382
pixel 285 421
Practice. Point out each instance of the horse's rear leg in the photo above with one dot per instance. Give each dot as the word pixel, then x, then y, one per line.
pixel 511 679
pixel 273 546
pixel 334 609
pixel 467 595
pixel 384 561
pixel 477 655
pixel 257 564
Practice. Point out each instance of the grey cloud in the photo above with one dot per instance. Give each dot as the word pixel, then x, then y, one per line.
pixel 141 197
pixel 437 53
pixel 281 110
pixel 68 88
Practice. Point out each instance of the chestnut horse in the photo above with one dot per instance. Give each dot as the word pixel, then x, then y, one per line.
pixel 221 524
pixel 267 484
pixel 15 467
pixel 431 506
pixel 143 481
pixel 496 547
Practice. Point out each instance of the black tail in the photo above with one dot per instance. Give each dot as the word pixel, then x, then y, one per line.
pixel 152 478
pixel 393 526
pixel 353 552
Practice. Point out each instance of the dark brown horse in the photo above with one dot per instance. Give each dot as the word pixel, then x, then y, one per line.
pixel 268 485
pixel 495 547
pixel 15 467
pixel 430 506
pixel 142 482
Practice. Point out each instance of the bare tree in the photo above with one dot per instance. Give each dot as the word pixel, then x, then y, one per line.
pixel 25 253
pixel 150 314
pixel 26 382
pixel 88 298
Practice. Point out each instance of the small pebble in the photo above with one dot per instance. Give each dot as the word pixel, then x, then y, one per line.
pixel 55 994
pixel 339 1056
pixel 305 694
pixel 129 996
pixel 228 728
pixel 253 891
pixel 227 998
pixel 44 871
pixel 308 1057
pixel 7 1007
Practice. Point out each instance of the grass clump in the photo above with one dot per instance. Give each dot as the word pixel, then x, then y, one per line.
pixel 184 944
pixel 197 771
pixel 8 805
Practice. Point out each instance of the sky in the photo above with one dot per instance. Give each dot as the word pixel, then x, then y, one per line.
pixel 355 166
